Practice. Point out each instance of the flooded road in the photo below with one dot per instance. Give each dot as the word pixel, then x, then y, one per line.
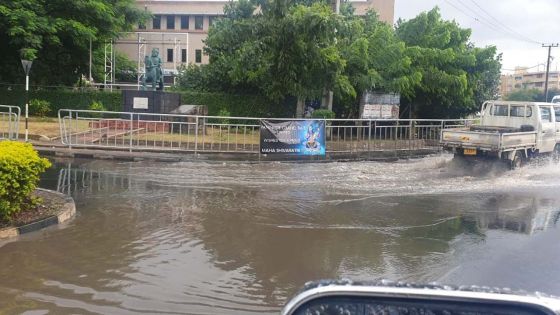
pixel 235 238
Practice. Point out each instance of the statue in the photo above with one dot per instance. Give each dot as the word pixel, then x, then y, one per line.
pixel 154 72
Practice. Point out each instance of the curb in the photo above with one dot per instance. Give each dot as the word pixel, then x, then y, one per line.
pixel 171 157
pixel 67 212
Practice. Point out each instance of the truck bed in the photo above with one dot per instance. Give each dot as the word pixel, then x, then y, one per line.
pixel 488 138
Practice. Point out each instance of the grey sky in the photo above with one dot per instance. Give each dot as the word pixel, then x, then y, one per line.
pixel 532 20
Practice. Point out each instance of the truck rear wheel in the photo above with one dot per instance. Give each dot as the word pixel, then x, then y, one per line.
pixel 518 160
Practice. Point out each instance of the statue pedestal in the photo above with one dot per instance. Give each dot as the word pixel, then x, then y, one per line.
pixel 155 102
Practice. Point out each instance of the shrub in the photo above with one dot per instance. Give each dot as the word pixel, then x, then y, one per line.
pixel 97 106
pixel 323 114
pixel 40 108
pixel 223 113
pixel 20 168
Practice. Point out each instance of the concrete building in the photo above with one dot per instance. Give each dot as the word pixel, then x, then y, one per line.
pixel 523 79
pixel 180 26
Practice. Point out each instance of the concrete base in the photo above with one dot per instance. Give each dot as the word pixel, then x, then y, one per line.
pixel 67 212
pixel 157 102
pixel 175 156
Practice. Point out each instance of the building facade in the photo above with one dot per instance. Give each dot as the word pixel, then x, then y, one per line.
pixel 179 28
pixel 523 79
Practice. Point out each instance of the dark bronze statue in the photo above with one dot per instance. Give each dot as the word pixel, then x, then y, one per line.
pixel 154 71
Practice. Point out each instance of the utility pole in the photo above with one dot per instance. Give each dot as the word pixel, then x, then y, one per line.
pixel 547 69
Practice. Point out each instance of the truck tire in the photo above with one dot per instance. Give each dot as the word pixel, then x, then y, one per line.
pixel 518 160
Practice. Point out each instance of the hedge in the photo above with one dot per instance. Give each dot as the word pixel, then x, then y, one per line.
pixel 236 105
pixel 64 99
pixel 20 168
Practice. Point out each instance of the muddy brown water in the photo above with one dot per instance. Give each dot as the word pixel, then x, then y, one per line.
pixel 236 238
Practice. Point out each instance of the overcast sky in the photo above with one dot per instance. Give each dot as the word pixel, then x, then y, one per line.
pixel 516 27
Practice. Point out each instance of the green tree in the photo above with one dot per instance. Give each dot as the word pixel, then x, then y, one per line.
pixel 531 95
pixel 285 50
pixel 56 34
pixel 376 60
pixel 456 76
pixel 527 95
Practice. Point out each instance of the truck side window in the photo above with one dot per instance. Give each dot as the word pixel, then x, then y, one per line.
pixel 557 113
pixel 546 115
pixel 500 110
pixel 520 111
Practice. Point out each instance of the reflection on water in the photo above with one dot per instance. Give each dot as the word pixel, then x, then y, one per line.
pixel 201 238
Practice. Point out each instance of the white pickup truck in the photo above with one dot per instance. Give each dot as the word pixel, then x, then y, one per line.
pixel 510 131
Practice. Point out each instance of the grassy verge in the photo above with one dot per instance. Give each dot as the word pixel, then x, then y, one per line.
pixel 41 127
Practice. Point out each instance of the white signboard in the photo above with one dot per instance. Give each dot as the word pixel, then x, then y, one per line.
pixel 387 111
pixel 376 111
pixel 140 103
pixel 372 112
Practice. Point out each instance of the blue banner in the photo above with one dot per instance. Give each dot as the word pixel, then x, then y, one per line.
pixel 293 137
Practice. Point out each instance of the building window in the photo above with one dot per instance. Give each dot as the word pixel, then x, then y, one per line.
pixel 198 56
pixel 184 22
pixel 539 76
pixel 518 86
pixel 538 84
pixel 171 22
pixel 183 55
pixel 169 55
pixel 156 23
pixel 518 78
pixel 198 22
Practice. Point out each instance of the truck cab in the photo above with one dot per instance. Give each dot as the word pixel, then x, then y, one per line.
pixel 544 118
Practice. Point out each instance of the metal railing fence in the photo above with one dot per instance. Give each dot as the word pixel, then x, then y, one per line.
pixel 9 122
pixel 174 132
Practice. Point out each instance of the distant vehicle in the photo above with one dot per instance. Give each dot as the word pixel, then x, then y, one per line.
pixel 509 131
pixel 555 99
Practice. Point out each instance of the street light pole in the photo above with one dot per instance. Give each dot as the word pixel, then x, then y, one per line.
pixel 27 68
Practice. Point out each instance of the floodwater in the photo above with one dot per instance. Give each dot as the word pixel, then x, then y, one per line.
pixel 236 238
